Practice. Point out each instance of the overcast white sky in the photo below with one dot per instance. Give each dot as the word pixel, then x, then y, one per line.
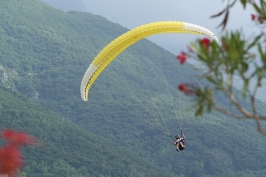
pixel 133 13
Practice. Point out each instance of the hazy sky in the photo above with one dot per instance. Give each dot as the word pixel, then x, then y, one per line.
pixel 133 13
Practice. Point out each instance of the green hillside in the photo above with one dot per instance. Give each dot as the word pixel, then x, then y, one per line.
pixel 67 150
pixel 44 54
pixel 67 5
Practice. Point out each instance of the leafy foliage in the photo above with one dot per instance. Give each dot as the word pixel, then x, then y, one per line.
pixel 234 57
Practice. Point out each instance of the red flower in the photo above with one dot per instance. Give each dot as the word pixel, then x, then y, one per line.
pixel 10 159
pixel 253 16
pixel 190 49
pixel 17 138
pixel 205 42
pixel 184 88
pixel 224 44
pixel 182 58
pixel 260 20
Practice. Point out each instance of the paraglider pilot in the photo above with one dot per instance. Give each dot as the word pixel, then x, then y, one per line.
pixel 179 142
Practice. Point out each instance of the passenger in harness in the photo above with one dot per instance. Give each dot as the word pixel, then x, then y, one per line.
pixel 179 142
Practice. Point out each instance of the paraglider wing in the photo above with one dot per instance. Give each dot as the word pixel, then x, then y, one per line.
pixel 114 48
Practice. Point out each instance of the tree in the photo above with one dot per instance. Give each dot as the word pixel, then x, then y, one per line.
pixel 234 56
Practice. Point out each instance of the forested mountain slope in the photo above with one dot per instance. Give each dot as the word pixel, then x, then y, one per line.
pixel 44 54
pixel 67 5
pixel 66 149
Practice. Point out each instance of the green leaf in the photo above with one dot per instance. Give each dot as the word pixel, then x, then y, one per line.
pixel 211 79
pixel 256 8
pixel 263 4
pixel 245 87
pixel 254 42
pixel 244 3
pixel 199 111
pixel 262 55
pixel 209 107
pixel 244 67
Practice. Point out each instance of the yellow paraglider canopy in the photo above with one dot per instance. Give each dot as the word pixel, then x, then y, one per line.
pixel 114 48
